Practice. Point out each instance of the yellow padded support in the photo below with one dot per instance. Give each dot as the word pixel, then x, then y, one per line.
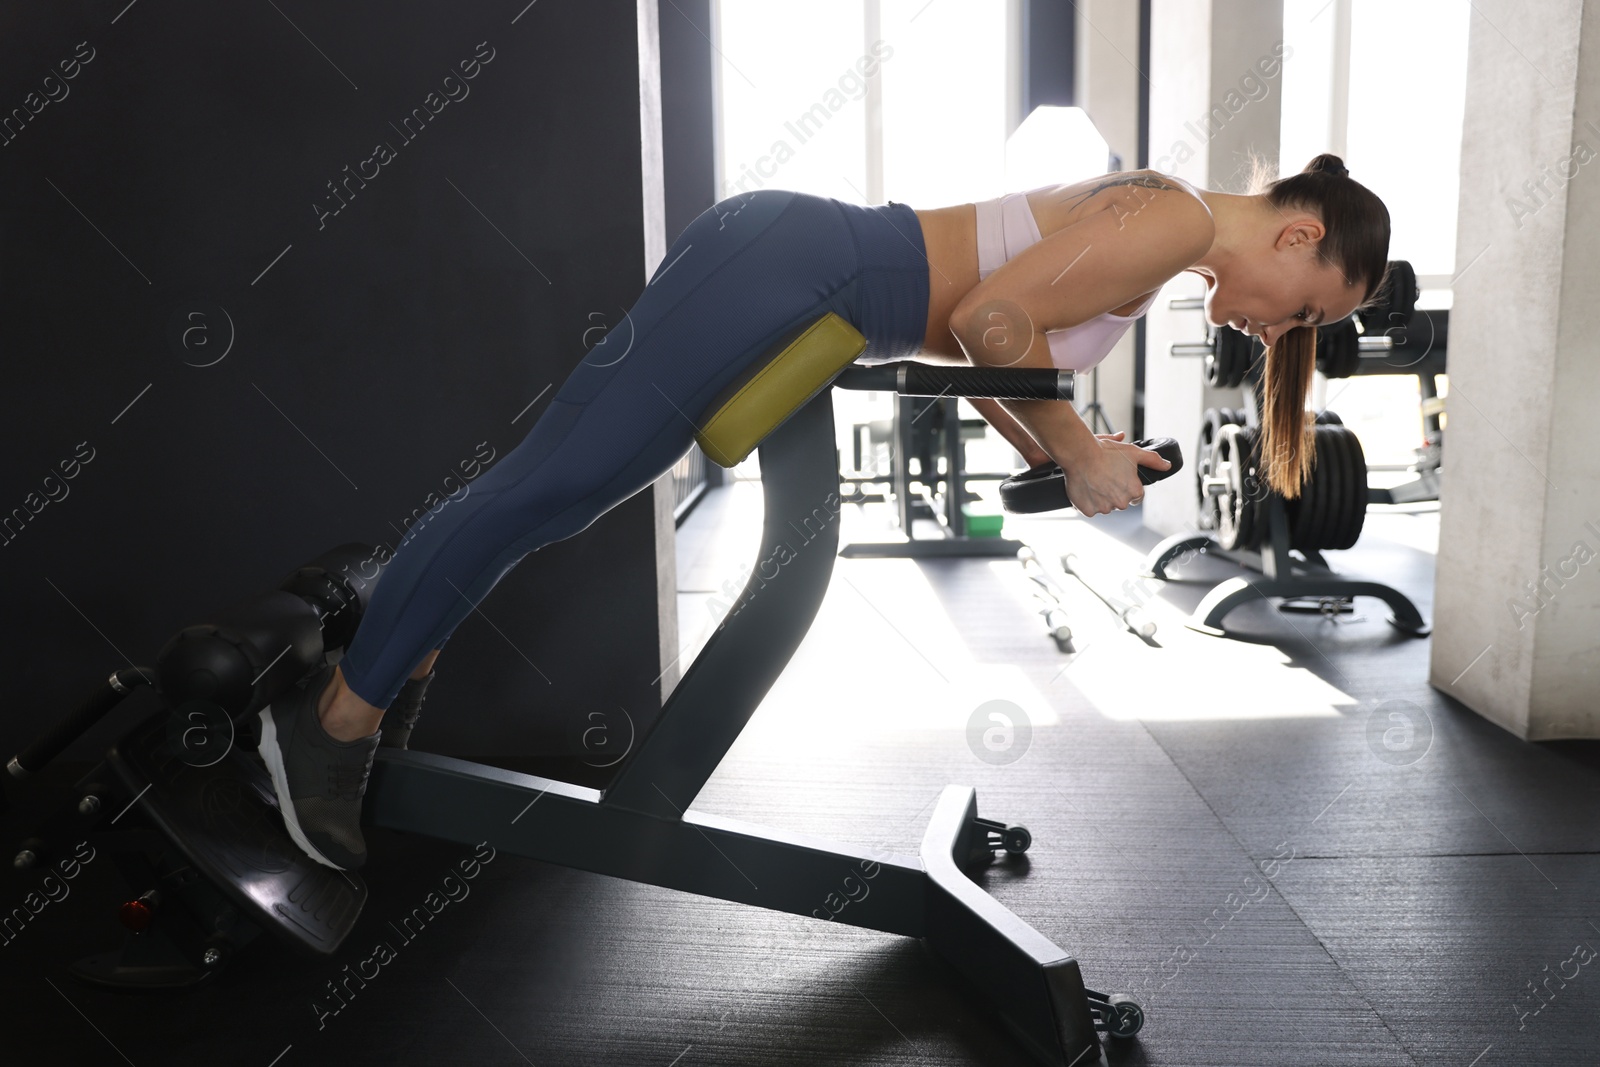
pixel 797 367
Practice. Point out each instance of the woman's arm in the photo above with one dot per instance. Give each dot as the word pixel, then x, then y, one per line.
pixel 1097 263
pixel 997 416
pixel 1011 430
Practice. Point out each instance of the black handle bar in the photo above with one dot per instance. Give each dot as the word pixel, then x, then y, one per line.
pixel 910 378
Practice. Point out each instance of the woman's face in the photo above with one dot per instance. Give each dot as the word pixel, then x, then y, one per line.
pixel 1276 287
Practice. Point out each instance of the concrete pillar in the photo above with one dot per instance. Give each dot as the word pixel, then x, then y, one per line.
pixel 1215 67
pixel 1517 593
pixel 1108 80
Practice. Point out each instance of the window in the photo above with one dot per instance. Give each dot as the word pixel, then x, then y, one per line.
pixel 1406 104
pixel 796 113
pixel 1400 131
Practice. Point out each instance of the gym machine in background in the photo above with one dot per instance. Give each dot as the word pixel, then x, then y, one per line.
pixel 1257 528
pixel 924 473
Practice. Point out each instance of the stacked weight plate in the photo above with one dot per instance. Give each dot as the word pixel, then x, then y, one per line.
pixel 1233 496
pixel 1332 505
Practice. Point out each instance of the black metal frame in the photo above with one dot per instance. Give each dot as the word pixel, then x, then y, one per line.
pixel 1281 576
pixel 203 844
pixel 642 827
pixel 947 384
pixel 943 505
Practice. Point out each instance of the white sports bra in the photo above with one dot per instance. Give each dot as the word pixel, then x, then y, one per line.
pixel 1005 227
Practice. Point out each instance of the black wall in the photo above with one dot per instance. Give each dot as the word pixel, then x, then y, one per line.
pixel 178 183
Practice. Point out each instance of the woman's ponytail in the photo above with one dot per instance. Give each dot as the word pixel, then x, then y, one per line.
pixel 1357 245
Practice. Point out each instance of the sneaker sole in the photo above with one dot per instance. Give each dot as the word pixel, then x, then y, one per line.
pixel 273 756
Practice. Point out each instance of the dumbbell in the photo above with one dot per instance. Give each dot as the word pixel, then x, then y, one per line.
pixel 1044 488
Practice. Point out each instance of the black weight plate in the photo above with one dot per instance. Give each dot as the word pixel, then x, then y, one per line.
pixel 1338 349
pixel 1330 449
pixel 1253 522
pixel 1357 460
pixel 1246 355
pixel 1427 331
pixel 1228 357
pixel 1229 343
pixel 1402 293
pixel 1041 488
pixel 1397 300
pixel 1044 488
pixel 1336 502
pixel 1165 447
pixel 1353 505
pixel 1346 506
pixel 1327 495
pixel 1232 350
pixel 1325 350
pixel 1333 485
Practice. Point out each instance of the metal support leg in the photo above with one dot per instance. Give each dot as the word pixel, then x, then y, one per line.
pixel 1036 988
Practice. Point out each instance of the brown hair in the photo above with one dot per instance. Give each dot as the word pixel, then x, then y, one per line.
pixel 1357 245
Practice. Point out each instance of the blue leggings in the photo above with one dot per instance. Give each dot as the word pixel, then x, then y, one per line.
pixel 745 271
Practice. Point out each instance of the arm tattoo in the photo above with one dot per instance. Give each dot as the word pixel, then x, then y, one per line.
pixel 1142 181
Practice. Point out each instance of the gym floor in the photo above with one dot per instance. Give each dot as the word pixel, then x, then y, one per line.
pixel 1223 828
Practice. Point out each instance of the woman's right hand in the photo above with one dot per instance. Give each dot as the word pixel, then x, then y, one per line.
pixel 1106 479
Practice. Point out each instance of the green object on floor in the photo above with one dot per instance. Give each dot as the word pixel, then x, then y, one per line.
pixel 982 523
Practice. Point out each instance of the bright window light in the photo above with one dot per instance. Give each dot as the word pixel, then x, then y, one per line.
pixel 1403 132
pixel 794 107
pixel 1406 108
pixel 1055 144
pixel 944 101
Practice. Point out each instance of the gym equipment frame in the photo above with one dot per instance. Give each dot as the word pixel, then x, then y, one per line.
pixel 641 828
pixel 916 496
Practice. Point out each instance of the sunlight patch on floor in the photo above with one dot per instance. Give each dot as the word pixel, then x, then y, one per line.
pixel 1190 676
pixel 884 656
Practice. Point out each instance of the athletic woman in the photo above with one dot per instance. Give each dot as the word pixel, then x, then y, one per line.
pixel 1049 277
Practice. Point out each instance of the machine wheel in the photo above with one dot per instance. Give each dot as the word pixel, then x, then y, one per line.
pixel 1125 1018
pixel 1017 839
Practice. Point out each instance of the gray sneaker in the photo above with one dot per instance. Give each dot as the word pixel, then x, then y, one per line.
pixel 319 781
